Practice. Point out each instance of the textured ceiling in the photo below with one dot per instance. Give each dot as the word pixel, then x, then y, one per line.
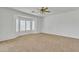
pixel 54 10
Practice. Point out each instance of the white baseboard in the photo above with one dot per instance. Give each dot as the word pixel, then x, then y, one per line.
pixel 70 36
pixel 12 36
pixel 8 37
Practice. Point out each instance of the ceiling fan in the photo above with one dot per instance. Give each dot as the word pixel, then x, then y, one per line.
pixel 42 10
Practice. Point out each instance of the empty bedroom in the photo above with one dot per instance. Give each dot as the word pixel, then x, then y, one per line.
pixel 39 29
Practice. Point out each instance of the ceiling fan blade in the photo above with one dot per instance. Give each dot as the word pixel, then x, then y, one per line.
pixel 42 7
pixel 47 11
pixel 46 8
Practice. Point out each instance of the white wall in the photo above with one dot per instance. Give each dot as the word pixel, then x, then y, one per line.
pixel 64 24
pixel 7 22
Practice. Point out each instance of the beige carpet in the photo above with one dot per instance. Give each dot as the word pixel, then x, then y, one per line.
pixel 40 43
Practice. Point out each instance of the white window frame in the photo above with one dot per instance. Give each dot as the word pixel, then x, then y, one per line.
pixel 26 19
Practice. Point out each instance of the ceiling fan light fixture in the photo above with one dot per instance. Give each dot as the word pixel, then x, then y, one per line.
pixel 43 10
